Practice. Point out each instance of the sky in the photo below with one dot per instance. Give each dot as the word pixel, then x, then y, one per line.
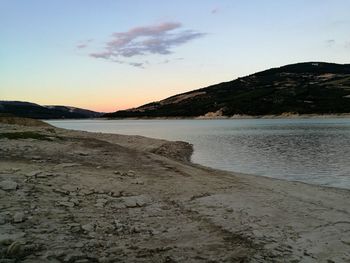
pixel 107 55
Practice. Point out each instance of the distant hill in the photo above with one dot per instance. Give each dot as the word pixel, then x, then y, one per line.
pixel 303 88
pixel 35 111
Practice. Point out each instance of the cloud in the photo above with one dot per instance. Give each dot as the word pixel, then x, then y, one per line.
pixel 84 44
pixel 81 46
pixel 214 11
pixel 330 42
pixel 158 39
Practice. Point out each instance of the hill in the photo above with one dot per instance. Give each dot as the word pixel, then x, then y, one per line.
pixel 302 88
pixel 35 111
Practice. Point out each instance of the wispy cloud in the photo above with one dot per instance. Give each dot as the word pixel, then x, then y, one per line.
pixel 81 46
pixel 330 42
pixel 158 39
pixel 84 44
pixel 336 43
pixel 214 11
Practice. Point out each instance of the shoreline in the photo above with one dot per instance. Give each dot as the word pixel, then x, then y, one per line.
pixel 138 199
pixel 238 117
pixel 234 117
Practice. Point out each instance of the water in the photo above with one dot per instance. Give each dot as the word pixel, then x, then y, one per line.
pixel 314 151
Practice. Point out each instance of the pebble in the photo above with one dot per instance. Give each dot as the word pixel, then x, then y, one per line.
pixel 33 173
pixel 86 192
pixel 61 191
pixel 7 239
pixel 8 185
pixel 101 202
pixel 75 201
pixel 66 204
pixel 81 153
pixel 2 220
pixel 18 217
pixel 88 227
pixel 138 182
pixel 79 244
pixel 346 240
pixel 135 201
pixel 130 173
pixel 43 175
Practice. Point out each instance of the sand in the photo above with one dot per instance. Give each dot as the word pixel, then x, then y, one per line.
pixel 70 196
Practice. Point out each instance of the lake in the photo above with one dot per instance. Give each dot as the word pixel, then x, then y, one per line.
pixel 315 151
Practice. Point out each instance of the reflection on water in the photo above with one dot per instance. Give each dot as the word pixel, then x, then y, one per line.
pixel 309 150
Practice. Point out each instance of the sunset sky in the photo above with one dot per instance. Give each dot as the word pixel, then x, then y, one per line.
pixel 106 55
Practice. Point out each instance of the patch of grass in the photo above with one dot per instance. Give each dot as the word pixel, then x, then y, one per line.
pixel 12 120
pixel 25 135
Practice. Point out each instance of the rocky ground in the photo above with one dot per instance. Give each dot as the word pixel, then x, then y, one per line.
pixel 69 196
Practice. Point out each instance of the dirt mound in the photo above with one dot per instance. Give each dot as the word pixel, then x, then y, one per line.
pixel 6 119
pixel 178 150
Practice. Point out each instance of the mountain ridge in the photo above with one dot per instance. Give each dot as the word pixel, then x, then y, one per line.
pixel 36 111
pixel 301 88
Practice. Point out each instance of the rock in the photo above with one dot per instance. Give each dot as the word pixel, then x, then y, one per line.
pixel 81 153
pixel 101 202
pixel 7 239
pixel 61 191
pixel 104 227
pixel 104 260
pixel 135 229
pixel 43 175
pixel 86 192
pixel 130 173
pixel 8 260
pixel 135 201
pixel 75 201
pixel 117 172
pixel 2 220
pixel 71 225
pixel 74 256
pixel 8 185
pixel 88 227
pixel 117 225
pixel 33 173
pixel 79 244
pixel 18 217
pixel 346 240
pixel 138 182
pixel 2 192
pixel 66 204
pixel 117 194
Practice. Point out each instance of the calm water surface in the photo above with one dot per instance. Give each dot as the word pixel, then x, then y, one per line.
pixel 309 150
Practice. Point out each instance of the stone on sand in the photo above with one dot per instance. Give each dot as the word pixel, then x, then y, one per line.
pixel 18 217
pixel 8 185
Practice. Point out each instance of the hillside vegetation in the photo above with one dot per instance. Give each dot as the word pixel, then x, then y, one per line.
pixel 303 88
pixel 35 111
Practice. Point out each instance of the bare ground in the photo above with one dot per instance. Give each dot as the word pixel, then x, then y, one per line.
pixel 69 196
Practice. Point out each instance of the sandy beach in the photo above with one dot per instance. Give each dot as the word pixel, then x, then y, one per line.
pixel 71 196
